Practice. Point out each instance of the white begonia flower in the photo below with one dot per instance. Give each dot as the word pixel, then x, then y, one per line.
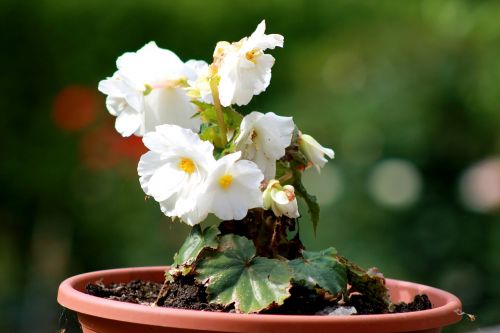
pixel 175 170
pixel 233 187
pixel 314 152
pixel 281 199
pixel 263 139
pixel 243 67
pixel 199 89
pixel 148 90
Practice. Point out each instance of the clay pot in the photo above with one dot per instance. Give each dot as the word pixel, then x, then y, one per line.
pixel 98 315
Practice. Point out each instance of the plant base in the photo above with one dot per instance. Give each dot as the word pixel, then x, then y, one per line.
pixel 99 315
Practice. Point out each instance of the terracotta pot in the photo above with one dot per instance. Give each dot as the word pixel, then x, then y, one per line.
pixel 99 315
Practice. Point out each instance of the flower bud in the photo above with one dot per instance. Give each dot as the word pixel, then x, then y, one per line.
pixel 314 152
pixel 281 199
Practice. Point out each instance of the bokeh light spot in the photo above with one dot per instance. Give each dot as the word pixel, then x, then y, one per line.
pixel 395 183
pixel 75 107
pixel 327 186
pixel 479 186
pixel 96 148
pixel 103 148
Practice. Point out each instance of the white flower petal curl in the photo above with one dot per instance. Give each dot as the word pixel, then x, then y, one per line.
pixel 281 199
pixel 127 122
pixel 243 67
pixel 263 139
pixel 314 152
pixel 233 187
pixel 151 82
pixel 199 88
pixel 175 171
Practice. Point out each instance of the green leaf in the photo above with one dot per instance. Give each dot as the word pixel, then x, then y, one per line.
pixel 370 283
pixel 196 242
pixel 234 275
pixel 211 133
pixel 321 269
pixel 310 200
pixel 208 114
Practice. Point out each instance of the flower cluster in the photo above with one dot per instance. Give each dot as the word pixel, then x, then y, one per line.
pixel 204 157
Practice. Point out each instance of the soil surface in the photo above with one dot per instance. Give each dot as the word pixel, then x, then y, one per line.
pixel 185 293
pixel 421 302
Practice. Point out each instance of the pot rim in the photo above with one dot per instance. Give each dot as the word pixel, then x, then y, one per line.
pixel 446 310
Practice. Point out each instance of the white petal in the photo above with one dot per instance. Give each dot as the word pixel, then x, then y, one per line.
pixel 230 159
pixel 136 100
pixel 198 213
pixel 276 134
pixel 197 68
pixel 228 79
pixel 149 65
pixel 167 137
pixel 264 64
pixel 115 105
pixel 246 128
pixel 279 197
pixel 169 106
pixel 240 203
pixel 148 164
pixel 168 208
pixel 165 182
pixel 221 207
pixel 248 174
pixel 179 193
pixel 314 151
pixel 260 40
pixel 112 87
pixel 127 122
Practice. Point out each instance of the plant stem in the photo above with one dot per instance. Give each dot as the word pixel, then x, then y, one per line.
pixel 287 176
pixel 218 110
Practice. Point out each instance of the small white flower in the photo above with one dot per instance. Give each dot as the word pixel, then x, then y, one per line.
pixel 263 139
pixel 175 170
pixel 123 102
pixel 148 90
pixel 233 187
pixel 199 89
pixel 281 199
pixel 243 67
pixel 314 152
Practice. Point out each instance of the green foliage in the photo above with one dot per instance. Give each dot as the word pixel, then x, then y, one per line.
pixel 210 129
pixel 211 133
pixel 207 113
pixel 194 244
pixel 289 170
pixel 234 274
pixel 379 79
pixel 310 200
pixel 269 233
pixel 321 269
pixel 370 283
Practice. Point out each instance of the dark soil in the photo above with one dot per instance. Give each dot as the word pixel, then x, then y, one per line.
pixel 302 301
pixel 365 305
pixel 421 302
pixel 185 293
pixel 136 291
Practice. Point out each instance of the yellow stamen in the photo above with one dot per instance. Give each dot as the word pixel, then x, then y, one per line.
pixel 225 181
pixel 251 55
pixel 187 165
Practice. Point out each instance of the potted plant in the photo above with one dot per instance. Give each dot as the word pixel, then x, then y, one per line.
pixel 250 272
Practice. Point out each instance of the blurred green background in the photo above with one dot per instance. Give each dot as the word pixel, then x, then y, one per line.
pixel 407 93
